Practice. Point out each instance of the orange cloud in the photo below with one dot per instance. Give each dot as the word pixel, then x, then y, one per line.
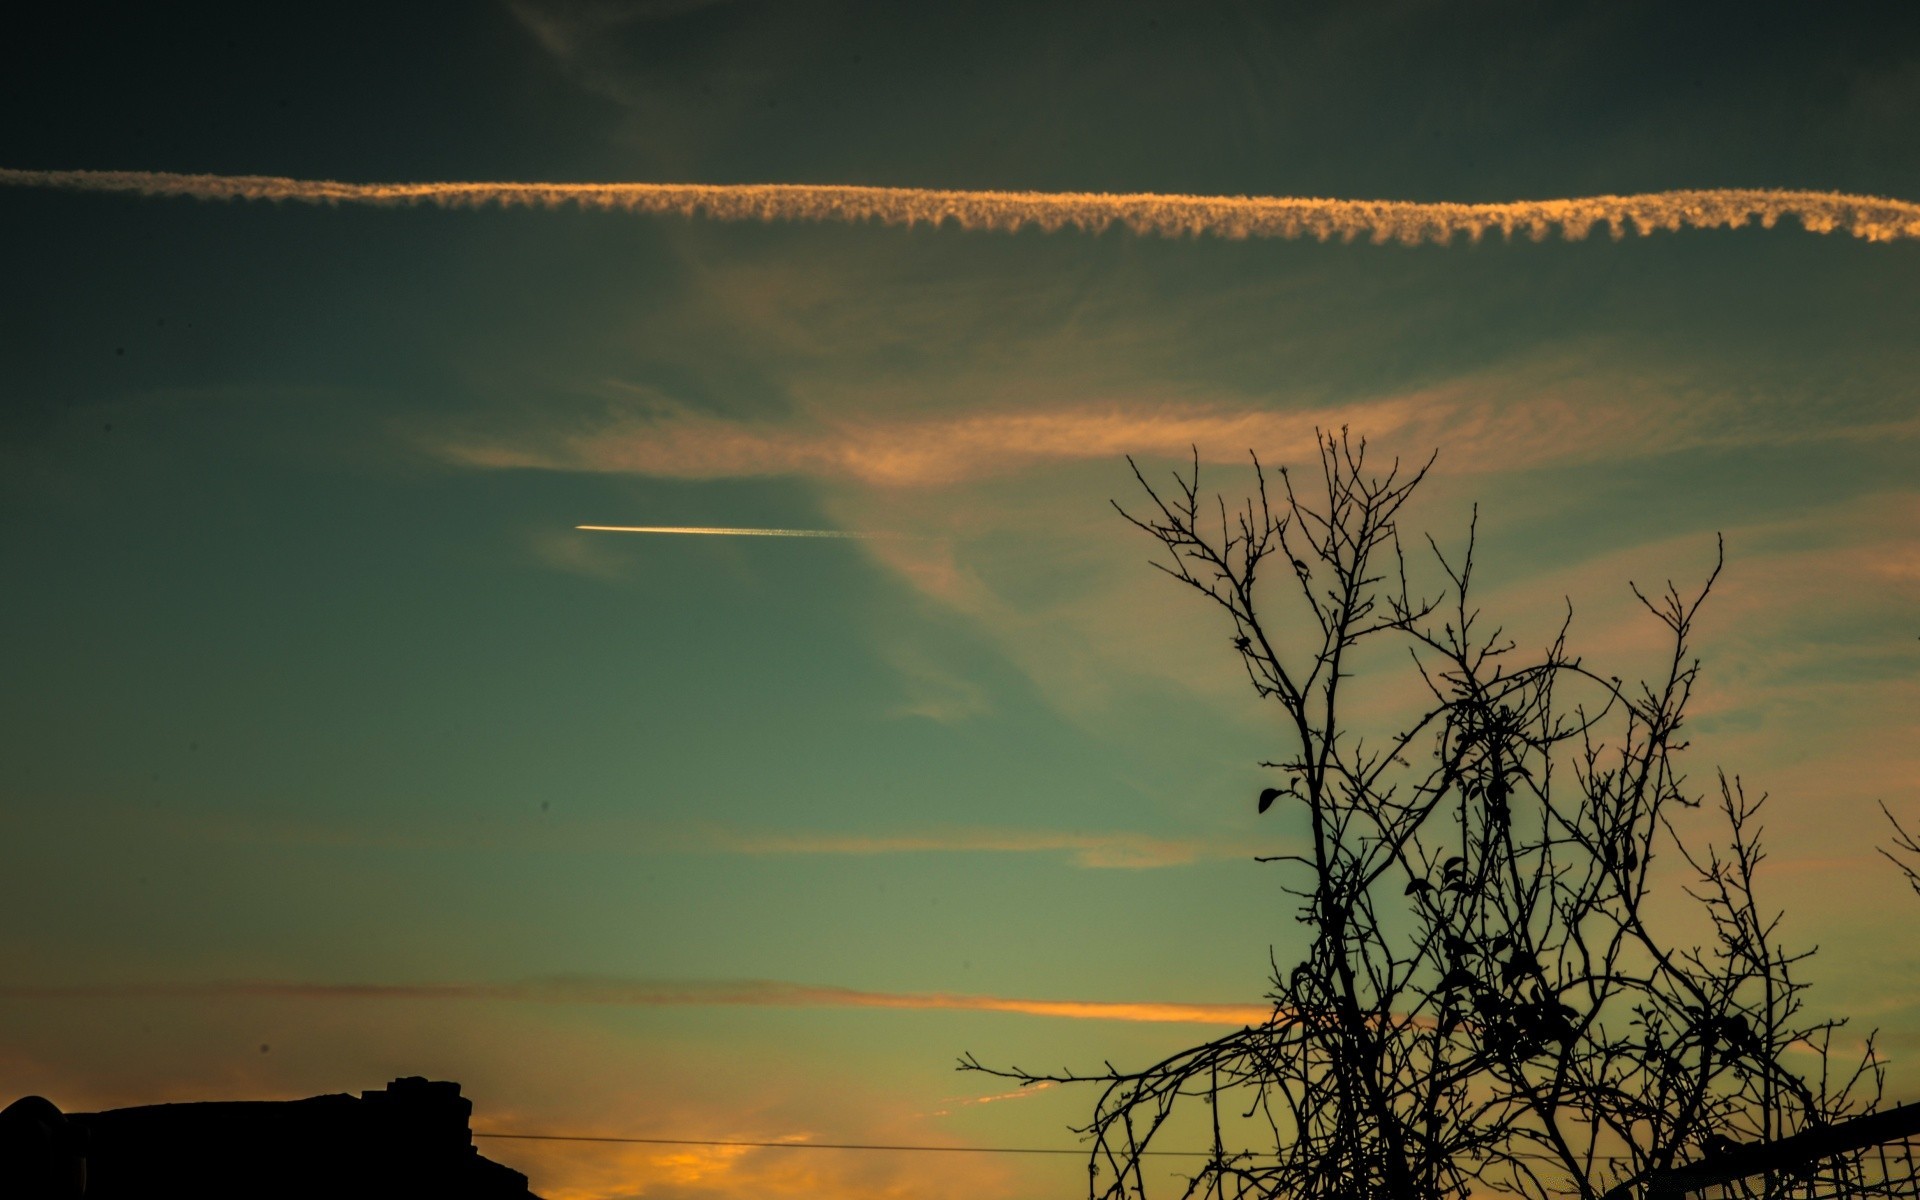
pixel 793 1118
pixel 926 452
pixel 1020 1093
pixel 669 441
pixel 615 1171
pixel 1407 222
pixel 1474 417
pixel 751 992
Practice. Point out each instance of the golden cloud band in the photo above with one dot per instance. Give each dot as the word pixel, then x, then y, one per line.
pixel 1407 222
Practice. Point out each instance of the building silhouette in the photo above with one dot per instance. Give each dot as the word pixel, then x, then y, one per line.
pixel 410 1139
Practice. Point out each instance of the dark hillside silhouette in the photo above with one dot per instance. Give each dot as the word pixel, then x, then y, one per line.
pixel 410 1139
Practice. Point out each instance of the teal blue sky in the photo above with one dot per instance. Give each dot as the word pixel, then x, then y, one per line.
pixel 311 679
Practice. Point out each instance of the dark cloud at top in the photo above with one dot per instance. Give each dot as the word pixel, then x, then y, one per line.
pixel 1385 99
pixel 1415 100
pixel 353 90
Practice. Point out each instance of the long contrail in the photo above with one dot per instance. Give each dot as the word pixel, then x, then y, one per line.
pixel 1409 222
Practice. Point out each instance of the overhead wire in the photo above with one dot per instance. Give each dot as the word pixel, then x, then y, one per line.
pixel 657 1141
pixel 650 1141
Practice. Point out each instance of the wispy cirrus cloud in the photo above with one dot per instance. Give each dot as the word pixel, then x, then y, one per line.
pixel 1485 422
pixel 944 476
pixel 1235 217
pixel 887 450
pixel 895 451
pixel 728 531
pixel 761 993
pixel 1112 850
pixel 1091 849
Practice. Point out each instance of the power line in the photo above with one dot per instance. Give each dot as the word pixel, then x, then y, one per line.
pixel 688 1141
pixel 647 1141
pixel 573 1137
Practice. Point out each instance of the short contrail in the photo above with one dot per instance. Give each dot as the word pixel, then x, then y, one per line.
pixel 1408 222
pixel 722 531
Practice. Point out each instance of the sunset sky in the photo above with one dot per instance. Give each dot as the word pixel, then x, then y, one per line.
pixel 336 752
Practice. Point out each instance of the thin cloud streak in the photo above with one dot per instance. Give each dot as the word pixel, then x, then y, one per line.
pixel 760 993
pixel 1873 218
pixel 1558 422
pixel 723 531
pixel 674 442
pixel 1116 849
pixel 893 452
pixel 1110 850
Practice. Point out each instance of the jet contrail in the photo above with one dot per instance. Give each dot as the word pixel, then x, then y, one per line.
pixel 722 531
pixel 1408 222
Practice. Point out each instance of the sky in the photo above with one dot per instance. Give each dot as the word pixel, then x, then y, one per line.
pixel 337 752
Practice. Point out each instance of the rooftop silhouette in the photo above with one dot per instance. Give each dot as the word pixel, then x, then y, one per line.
pixel 408 1139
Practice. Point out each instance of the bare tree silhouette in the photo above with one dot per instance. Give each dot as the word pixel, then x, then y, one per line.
pixel 1491 998
pixel 1904 853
